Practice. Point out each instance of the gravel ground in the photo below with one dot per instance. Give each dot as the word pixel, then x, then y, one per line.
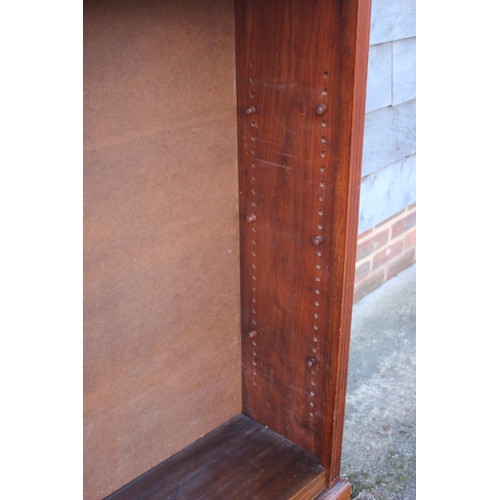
pixel 379 450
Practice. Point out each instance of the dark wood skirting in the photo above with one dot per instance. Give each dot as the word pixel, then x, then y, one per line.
pixel 341 491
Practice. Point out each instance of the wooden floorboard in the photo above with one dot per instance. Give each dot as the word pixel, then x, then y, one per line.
pixel 239 460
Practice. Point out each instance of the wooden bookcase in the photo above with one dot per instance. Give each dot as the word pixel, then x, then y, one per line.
pixel 222 164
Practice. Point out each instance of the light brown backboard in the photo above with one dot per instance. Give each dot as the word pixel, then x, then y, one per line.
pixel 162 354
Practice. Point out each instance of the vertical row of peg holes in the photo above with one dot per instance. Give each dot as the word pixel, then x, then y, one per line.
pixel 319 262
pixel 253 229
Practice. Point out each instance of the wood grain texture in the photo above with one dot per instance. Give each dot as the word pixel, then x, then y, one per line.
pixel 240 460
pixel 341 491
pixel 299 174
pixel 350 88
pixel 285 67
pixel 162 351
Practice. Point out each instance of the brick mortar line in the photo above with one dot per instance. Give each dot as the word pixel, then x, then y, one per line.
pixel 388 224
pixel 383 267
pixel 370 256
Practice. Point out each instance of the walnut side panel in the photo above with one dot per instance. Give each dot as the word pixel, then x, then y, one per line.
pixel 301 70
pixel 285 81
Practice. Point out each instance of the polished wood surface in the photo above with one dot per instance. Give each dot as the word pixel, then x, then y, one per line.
pixel 348 114
pixel 302 66
pixel 285 68
pixel 162 351
pixel 241 460
pixel 341 491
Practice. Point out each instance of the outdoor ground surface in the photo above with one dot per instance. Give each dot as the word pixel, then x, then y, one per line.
pixel 379 450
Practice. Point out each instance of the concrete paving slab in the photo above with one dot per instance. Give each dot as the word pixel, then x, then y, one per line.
pixel 379 449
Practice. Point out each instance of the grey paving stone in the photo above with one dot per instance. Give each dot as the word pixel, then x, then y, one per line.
pixel 379 447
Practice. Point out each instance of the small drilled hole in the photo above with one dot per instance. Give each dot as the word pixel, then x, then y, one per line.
pixel 254 289
pixel 319 254
pixel 314 350
pixel 253 152
pixel 315 339
pixel 254 254
pixel 322 169
pixel 253 191
pixel 311 394
pixel 322 184
pixel 252 64
pixel 252 79
pixel 318 266
pixel 254 266
pixel 318 278
pixel 255 243
pixel 316 327
pixel 311 403
pixel 317 293
pixel 254 363
pixel 254 300
pixel 253 179
pixel 316 304
pixel 253 123
pixel 321 198
pixel 320 212
pixel 253 138
pixel 323 123
pixel 254 343
pixel 316 315
pixel 325 91
pixel 254 204
pixel 311 414
pixel 253 165
pixel 325 74
pixel 323 139
pixel 323 154
pixel 313 383
pixel 254 383
pixel 252 95
pixel 320 226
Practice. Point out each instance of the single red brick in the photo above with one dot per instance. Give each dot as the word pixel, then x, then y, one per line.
pixel 387 254
pixel 402 262
pixel 410 240
pixel 403 225
pixel 362 271
pixel 368 285
pixel 370 245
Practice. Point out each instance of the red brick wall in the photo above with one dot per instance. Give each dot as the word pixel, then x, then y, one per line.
pixel 385 250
